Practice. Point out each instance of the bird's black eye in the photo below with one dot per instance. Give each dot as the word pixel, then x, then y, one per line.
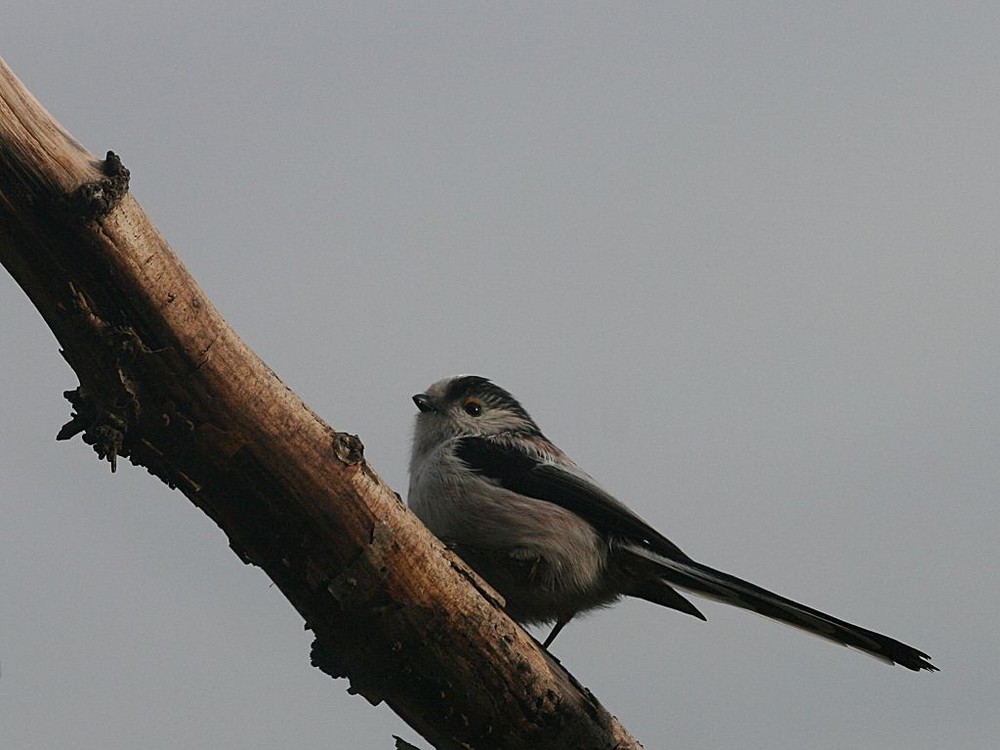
pixel 472 407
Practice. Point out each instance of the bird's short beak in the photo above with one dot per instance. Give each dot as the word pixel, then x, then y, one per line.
pixel 424 403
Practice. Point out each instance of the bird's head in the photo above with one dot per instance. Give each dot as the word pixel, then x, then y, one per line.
pixel 469 406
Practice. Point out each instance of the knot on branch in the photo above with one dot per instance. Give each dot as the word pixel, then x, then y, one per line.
pixel 348 448
pixel 92 200
pixel 327 660
pixel 372 682
pixel 104 428
pixel 105 414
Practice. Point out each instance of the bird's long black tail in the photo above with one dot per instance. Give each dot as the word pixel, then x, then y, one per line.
pixel 714 584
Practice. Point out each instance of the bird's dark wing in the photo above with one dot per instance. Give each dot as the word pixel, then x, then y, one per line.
pixel 527 474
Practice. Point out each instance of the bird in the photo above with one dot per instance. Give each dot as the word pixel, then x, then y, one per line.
pixel 487 482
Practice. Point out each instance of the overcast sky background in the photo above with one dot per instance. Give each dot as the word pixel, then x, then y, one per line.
pixel 739 260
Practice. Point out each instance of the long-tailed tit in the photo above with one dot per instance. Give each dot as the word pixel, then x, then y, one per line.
pixel 488 483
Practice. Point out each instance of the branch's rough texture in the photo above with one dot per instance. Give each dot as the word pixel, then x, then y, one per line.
pixel 166 383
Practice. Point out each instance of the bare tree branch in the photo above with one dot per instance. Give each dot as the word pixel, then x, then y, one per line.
pixel 165 382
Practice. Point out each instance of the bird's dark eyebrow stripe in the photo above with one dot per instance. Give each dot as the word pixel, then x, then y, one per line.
pixel 488 391
pixel 519 472
pixel 464 386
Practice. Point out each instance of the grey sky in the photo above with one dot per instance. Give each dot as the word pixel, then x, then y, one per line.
pixel 739 260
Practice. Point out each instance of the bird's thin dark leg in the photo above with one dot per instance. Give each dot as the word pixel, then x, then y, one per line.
pixel 560 624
